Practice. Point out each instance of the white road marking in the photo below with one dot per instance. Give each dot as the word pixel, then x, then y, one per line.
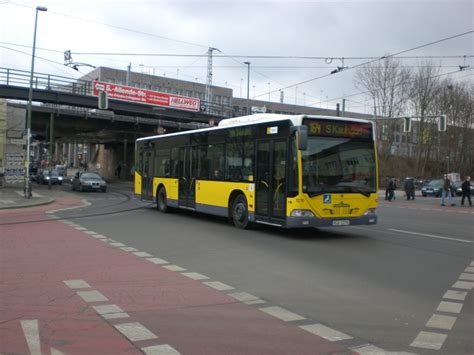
pixel 31 331
pixel 85 203
pixel 195 276
pixel 219 286
pixel 135 331
pixel 375 350
pixel 174 268
pixel 5 201
pixel 255 302
pixel 282 313
pixel 115 315
pixel 466 276
pixel 129 249
pixel 455 295
pixel 450 307
pixel 107 308
pixel 90 232
pixel 111 311
pixel 142 254
pixel 80 228
pixel 117 244
pixel 429 340
pixel 56 352
pixel 465 285
pixel 441 322
pixel 244 297
pixel 469 269
pixel 325 332
pixel 164 349
pixel 99 236
pixel 430 235
pixel 92 296
pixel 157 261
pixel 76 284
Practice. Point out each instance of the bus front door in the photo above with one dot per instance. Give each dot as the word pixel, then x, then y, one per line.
pixel 188 158
pixel 271 183
pixel 147 176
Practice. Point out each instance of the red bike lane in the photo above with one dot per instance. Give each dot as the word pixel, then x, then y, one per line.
pixel 64 290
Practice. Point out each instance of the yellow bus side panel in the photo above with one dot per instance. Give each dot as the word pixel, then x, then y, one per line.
pixel 217 193
pixel 138 184
pixel 171 186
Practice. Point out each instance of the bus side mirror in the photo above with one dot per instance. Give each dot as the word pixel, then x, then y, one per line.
pixel 302 137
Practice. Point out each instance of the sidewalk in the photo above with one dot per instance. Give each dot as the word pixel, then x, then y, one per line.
pixel 13 197
pixel 69 290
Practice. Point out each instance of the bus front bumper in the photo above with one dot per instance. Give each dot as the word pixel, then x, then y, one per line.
pixel 305 222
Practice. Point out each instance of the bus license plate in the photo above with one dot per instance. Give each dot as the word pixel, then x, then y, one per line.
pixel 342 222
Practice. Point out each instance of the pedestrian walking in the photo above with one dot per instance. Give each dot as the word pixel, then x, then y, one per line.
pixel 410 188
pixel 387 183
pixel 391 189
pixel 447 191
pixel 118 170
pixel 466 191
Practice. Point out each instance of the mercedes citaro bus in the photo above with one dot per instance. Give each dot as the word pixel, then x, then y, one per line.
pixel 293 171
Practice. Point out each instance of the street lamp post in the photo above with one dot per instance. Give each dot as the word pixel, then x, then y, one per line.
pixel 248 87
pixel 30 98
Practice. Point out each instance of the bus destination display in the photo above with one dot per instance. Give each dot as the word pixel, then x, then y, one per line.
pixel 329 128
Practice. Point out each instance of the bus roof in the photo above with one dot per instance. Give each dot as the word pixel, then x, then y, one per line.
pixel 296 120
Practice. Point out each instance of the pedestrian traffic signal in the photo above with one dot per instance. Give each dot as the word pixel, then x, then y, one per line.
pixel 103 100
pixel 406 124
pixel 442 123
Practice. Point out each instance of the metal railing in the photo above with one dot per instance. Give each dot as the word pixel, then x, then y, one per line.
pixel 42 81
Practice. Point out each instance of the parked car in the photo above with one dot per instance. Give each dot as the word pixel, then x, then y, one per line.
pixel 433 188
pixel 44 177
pixel 88 182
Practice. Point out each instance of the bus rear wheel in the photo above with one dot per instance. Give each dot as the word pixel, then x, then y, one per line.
pixel 161 200
pixel 240 213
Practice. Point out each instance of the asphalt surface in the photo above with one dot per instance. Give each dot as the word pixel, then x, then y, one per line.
pixel 381 285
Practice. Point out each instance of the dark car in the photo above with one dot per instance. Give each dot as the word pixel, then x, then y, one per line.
pixel 433 188
pixel 88 182
pixel 44 177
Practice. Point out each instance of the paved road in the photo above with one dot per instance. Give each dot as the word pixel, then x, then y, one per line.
pixel 407 281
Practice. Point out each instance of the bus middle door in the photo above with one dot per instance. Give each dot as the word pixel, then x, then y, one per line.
pixel 188 157
pixel 148 158
pixel 271 182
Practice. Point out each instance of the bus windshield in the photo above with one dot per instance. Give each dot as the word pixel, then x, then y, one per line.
pixel 338 165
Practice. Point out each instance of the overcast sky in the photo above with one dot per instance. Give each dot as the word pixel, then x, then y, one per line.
pixel 328 29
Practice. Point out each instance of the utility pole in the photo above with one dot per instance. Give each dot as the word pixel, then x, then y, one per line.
pixel 129 74
pixel 248 87
pixel 343 107
pixel 209 77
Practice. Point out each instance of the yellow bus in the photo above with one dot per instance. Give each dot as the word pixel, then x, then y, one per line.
pixel 293 171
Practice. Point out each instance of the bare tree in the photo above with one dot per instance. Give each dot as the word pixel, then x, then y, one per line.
pixel 386 83
pixel 424 91
pixel 455 99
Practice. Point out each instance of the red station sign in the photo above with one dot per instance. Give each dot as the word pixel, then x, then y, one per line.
pixel 148 97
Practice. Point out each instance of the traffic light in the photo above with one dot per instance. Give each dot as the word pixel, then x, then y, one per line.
pixel 103 100
pixel 442 123
pixel 406 124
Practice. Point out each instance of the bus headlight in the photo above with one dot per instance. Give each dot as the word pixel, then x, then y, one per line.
pixel 370 212
pixel 301 213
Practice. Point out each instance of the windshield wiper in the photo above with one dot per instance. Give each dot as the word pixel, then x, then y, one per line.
pixel 314 193
pixel 364 192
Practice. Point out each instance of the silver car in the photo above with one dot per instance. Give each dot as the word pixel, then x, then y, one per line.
pixel 88 182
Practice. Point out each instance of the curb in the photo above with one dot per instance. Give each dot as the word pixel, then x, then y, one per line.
pixel 34 204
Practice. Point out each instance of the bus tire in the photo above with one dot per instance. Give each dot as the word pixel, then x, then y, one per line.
pixel 240 212
pixel 161 200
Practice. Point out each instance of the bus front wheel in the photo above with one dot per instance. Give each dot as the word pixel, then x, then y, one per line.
pixel 161 200
pixel 240 213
